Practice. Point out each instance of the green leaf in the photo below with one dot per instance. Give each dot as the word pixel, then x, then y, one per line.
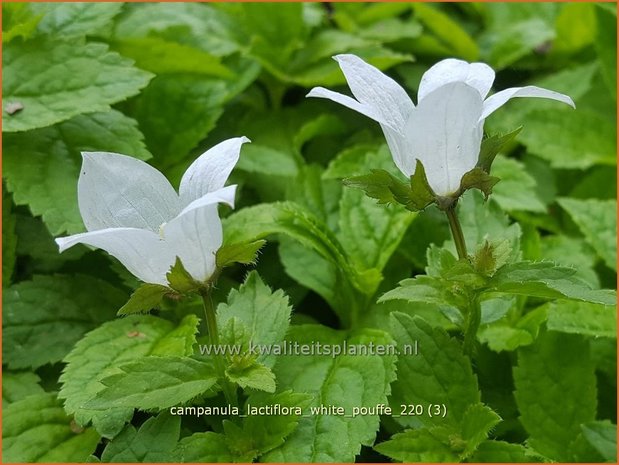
pixel 144 299
pixel 439 374
pixel 606 47
pixel 418 445
pixel 595 320
pixel 508 336
pixel 477 422
pixel 260 434
pixel 369 232
pixel 254 376
pixel 155 441
pixel 573 252
pixel 447 31
pixel 9 239
pixel 35 74
pixel 41 167
pixel 36 429
pixel 602 435
pixel 477 178
pixel 517 189
pixel 102 351
pixel 503 452
pixel 161 56
pixel 19 385
pixel 570 139
pixel 262 159
pixel 177 111
pixel 548 281
pixel 179 278
pixel 380 185
pixel 517 39
pixel 45 317
pixel 154 383
pixel 245 253
pixel 491 146
pixel 597 219
pixel 264 313
pixel 557 366
pixel 347 381
pixel 206 447
pixel 72 20
pixel 18 20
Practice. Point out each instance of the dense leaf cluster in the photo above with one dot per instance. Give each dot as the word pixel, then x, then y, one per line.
pixel 306 259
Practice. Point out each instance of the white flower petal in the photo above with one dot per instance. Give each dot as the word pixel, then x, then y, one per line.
pixel 400 151
pixel 120 191
pixel 142 252
pixel 347 101
pixel 195 236
pixel 224 195
pixel 372 88
pixel 211 170
pixel 477 75
pixel 445 135
pixel 499 99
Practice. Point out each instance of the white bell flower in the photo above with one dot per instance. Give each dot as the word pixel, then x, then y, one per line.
pixel 444 131
pixel 133 213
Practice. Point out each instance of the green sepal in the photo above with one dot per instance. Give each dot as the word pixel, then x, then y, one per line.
pixel 386 188
pixel 240 252
pixel 477 178
pixel 145 298
pixel 491 256
pixel 491 146
pixel 180 280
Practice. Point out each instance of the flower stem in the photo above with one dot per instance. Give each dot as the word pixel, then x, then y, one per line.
pixel 210 319
pixel 473 320
pixel 456 231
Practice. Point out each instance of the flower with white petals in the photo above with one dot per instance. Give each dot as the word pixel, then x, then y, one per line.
pixel 133 213
pixel 444 131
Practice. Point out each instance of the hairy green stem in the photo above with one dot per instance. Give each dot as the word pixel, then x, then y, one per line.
pixel 456 231
pixel 473 319
pixel 210 319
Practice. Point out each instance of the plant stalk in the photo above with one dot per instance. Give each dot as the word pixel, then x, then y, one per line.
pixel 456 231
pixel 473 320
pixel 210 319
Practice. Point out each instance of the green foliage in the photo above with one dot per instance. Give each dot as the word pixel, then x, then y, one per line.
pixel 36 429
pixel 515 343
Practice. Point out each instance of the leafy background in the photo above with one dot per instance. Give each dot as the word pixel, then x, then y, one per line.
pixel 163 82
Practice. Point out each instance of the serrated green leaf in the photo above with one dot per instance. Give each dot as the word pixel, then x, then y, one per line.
pixel 154 383
pixel 155 441
pixel 571 251
pixel 36 429
pixel 18 385
pixel 41 167
pixel 103 350
pixel 602 435
pixel 144 298
pixel 503 452
pixel 347 381
pixel 45 317
pixel 179 278
pixel 547 280
pixel 477 178
pixel 18 20
pixel 206 447
pixel 508 336
pixel 245 253
pixel 418 445
pixel 264 313
pixel 259 434
pixel 477 422
pixel 380 185
pixel 584 318
pixel 517 189
pixel 72 20
pixel 557 366
pixel 34 76
pixel 254 376
pixel 491 146
pixel 439 374
pixel 597 219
